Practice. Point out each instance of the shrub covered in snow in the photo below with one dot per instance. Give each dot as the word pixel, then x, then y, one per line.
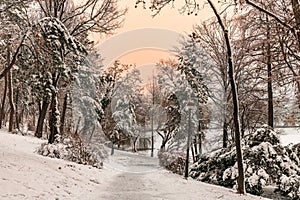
pixel 73 149
pixel 289 186
pixel 173 161
pixel 265 162
pixel 263 134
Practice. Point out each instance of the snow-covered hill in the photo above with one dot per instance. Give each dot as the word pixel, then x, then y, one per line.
pixel 27 175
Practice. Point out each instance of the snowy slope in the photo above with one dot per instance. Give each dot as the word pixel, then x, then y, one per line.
pixel 26 175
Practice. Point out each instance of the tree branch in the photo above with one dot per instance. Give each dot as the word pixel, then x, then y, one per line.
pixel 13 61
pixel 272 15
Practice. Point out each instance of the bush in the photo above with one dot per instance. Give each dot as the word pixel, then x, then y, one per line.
pixel 71 148
pixel 173 161
pixel 265 162
pixel 264 134
pixel 289 186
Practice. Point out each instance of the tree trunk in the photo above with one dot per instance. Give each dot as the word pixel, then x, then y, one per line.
pixel 241 177
pixel 225 101
pixel 2 112
pixel 53 118
pixel 17 117
pixel 225 134
pixel 77 126
pixel 243 124
pixel 42 115
pixel 10 94
pixel 196 147
pixel 193 154
pixel 63 114
pixel 112 149
pixel 270 97
pixel 134 149
pixel 11 102
pixel 200 144
pixel 270 90
pixel 163 145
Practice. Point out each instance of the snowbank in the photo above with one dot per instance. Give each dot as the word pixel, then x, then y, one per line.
pixel 26 175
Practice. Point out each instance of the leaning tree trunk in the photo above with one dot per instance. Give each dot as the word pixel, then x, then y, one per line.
pixel 2 112
pixel 241 177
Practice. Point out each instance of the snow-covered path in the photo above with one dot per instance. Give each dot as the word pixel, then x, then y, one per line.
pixel 26 175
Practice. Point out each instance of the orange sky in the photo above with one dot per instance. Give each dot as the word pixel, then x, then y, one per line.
pixel 144 40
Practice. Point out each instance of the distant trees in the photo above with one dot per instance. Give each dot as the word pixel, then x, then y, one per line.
pixel 118 119
pixel 192 7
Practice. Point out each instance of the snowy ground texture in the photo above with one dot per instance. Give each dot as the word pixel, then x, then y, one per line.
pixel 26 175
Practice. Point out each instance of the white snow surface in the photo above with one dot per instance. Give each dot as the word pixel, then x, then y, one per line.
pixel 26 175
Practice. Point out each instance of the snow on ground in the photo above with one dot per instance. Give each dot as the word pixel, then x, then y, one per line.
pixel 27 175
pixel 289 135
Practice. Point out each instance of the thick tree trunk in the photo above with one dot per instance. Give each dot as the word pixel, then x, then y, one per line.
pixel 42 115
pixel 2 112
pixel 163 145
pixel 241 177
pixel 53 118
